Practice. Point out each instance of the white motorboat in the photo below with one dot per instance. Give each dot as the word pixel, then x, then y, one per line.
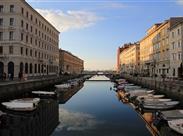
pixel 63 86
pixel 173 114
pixel 160 105
pixel 27 100
pixel 176 125
pixel 139 93
pixel 19 106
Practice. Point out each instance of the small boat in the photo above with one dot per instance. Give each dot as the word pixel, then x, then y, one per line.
pixel 150 96
pixel 137 93
pixel 176 125
pixel 63 86
pixel 173 114
pixel 120 87
pixel 19 106
pixel 27 100
pixel 160 105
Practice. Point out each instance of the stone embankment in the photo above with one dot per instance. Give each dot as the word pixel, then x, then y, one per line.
pixel 11 90
pixel 171 88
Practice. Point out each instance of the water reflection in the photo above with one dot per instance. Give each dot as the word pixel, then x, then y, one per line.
pixel 64 96
pixel 95 111
pixel 76 121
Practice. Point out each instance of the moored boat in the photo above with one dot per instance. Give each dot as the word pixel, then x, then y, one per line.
pixel 160 105
pixel 172 114
pixel 176 125
pixel 19 106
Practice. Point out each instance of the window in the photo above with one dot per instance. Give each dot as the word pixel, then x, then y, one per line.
pixel 27 39
pixel 35 53
pixel 31 53
pixel 172 34
pixel 36 20
pixel 11 35
pixel 36 42
pixel 22 36
pixel 31 40
pixel 22 10
pixel 36 32
pixel 31 17
pixel 1 8
pixel 31 28
pixel 27 26
pixel 26 51
pixel 1 36
pixel 11 21
pixel 178 31
pixel 173 45
pixel 1 49
pixel 22 23
pixel 21 50
pixel 27 14
pixel 11 8
pixel 179 44
pixel 10 49
pixel 1 21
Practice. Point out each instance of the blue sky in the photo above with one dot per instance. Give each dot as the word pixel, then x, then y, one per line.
pixel 94 29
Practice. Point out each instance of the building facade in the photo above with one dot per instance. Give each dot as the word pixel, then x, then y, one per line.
pixel 176 50
pixel 28 42
pixel 146 51
pixel 130 58
pixel 69 63
pixel 165 50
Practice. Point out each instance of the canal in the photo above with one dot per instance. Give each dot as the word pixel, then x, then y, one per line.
pixel 96 111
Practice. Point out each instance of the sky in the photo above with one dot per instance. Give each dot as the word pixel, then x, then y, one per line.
pixel 94 29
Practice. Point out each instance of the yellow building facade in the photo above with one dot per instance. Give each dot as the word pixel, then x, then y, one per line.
pixel 129 58
pixel 146 51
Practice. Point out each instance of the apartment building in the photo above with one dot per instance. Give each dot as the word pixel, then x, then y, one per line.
pixel 28 42
pixel 176 50
pixel 70 63
pixel 163 47
pixel 146 51
pixel 130 58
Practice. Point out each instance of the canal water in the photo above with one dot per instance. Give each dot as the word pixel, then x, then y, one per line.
pixel 96 111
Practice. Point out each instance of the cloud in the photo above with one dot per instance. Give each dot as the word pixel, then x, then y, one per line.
pixel 75 121
pixel 180 2
pixel 65 21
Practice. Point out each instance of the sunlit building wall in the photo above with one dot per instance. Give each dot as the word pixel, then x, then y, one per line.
pixel 70 63
pixel 28 42
pixel 129 59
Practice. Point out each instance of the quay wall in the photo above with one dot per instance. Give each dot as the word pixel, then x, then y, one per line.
pixel 11 90
pixel 171 88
